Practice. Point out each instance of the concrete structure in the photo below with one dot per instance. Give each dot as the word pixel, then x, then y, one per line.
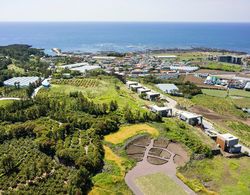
pixel 152 96
pixel 21 81
pixel 142 90
pixel 168 88
pixel 162 111
pixel 135 87
pixel 230 59
pixel 191 118
pixel 129 83
pixel 228 143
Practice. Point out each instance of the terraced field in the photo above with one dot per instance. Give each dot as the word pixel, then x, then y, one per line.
pixel 85 83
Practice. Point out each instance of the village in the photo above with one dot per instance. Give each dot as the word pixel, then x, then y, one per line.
pixel 172 88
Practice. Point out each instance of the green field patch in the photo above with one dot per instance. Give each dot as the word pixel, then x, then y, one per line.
pixel 223 175
pixel 224 93
pixel 4 103
pixel 241 130
pixel 223 67
pixel 158 183
pixel 224 106
pixel 85 83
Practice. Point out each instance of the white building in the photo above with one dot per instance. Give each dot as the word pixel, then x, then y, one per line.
pixel 21 81
pixel 191 118
pixel 162 111
pixel 168 88
pixel 142 90
pixel 152 96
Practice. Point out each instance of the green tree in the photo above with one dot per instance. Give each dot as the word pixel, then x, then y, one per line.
pixel 8 163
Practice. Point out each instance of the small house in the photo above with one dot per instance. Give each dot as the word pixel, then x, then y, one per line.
pixel 191 118
pixel 152 96
pixel 135 87
pixel 162 111
pixel 228 143
pixel 142 90
pixel 128 83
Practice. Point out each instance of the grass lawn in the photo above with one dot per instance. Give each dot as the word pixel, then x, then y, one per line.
pixel 111 180
pixel 223 93
pixel 224 106
pixel 241 130
pixel 129 131
pixel 242 102
pixel 223 175
pixel 4 103
pixel 158 183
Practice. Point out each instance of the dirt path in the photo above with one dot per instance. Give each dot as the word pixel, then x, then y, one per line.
pixel 145 168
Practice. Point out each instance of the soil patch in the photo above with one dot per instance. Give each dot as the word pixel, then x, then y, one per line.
pixel 165 154
pixel 156 161
pixel 132 149
pixel 207 113
pixel 179 151
pixel 161 143
pixel 143 141
pixel 136 157
pixel 155 151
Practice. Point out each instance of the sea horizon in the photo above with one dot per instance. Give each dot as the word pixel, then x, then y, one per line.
pixel 126 36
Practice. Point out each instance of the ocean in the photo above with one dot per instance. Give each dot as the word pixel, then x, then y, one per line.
pixel 123 37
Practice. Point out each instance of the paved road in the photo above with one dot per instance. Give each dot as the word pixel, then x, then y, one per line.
pixel 36 91
pixel 10 98
pixel 144 168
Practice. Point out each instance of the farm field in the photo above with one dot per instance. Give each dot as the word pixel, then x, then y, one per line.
pixel 129 131
pixel 108 89
pixel 223 175
pixel 85 83
pixel 111 180
pixel 223 93
pixel 31 164
pixel 158 183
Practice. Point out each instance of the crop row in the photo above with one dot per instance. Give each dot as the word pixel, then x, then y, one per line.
pixel 85 83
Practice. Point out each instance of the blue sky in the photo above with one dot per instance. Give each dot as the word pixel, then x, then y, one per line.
pixel 126 10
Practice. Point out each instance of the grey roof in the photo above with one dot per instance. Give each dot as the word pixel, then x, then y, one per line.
pixel 23 81
pixel 167 87
pixel 82 67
